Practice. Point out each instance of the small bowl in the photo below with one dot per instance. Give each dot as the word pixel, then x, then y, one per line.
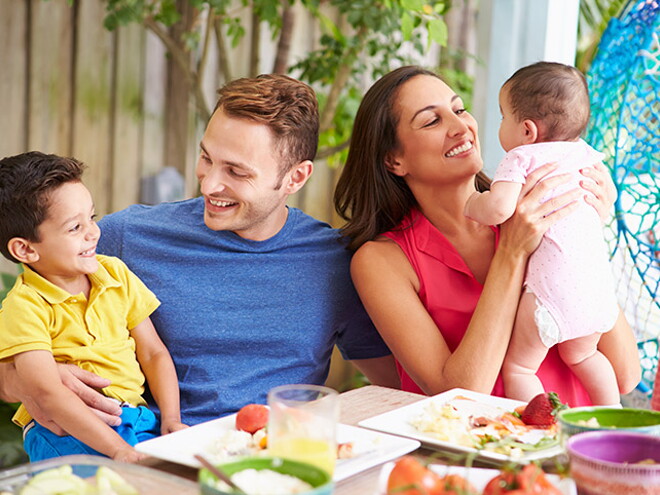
pixel 572 421
pixel 615 463
pixel 317 477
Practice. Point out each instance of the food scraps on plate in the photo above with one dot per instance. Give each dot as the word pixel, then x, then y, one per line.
pixel 250 437
pixel 469 423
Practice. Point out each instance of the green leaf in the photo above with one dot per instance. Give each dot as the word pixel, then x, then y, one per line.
pixel 168 15
pixel 442 7
pixel 330 27
pixel 414 5
pixel 438 31
pixel 8 280
pixel 406 26
pixel 11 438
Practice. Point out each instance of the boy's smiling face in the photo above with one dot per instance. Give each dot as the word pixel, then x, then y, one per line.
pixel 68 237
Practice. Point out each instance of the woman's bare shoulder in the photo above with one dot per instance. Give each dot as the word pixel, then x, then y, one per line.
pixel 379 250
pixel 382 259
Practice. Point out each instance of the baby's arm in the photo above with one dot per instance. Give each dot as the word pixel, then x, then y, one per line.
pixel 38 373
pixel 495 206
pixel 158 368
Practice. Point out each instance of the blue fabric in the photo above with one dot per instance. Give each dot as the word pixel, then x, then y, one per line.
pixel 239 316
pixel 138 425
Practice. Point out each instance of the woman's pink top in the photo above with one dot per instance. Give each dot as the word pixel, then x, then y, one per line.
pixel 449 292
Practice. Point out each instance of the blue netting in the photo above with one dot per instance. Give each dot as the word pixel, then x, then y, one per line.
pixel 624 85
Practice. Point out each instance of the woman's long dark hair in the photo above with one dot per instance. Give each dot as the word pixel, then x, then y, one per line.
pixel 370 198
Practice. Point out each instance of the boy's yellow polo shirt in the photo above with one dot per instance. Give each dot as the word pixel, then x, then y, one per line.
pixel 94 334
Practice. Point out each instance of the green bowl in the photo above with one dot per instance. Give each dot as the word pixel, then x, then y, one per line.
pixel 317 477
pixel 573 421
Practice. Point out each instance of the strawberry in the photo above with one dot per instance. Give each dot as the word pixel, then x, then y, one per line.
pixel 542 410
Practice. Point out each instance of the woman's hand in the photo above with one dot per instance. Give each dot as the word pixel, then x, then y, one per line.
pixel 602 189
pixel 522 233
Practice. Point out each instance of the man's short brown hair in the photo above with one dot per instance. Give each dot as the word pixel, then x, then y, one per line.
pixel 287 106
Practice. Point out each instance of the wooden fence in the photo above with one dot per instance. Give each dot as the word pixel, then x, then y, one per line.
pixel 111 99
pixel 115 101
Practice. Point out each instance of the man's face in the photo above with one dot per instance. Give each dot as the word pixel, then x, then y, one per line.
pixel 238 172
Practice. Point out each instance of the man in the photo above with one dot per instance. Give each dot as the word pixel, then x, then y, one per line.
pixel 254 294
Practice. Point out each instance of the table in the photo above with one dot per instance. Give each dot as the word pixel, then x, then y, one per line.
pixel 355 405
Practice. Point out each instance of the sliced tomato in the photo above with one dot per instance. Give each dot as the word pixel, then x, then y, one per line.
pixel 410 477
pixel 251 418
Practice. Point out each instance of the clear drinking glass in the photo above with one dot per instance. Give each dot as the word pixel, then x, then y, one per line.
pixel 302 424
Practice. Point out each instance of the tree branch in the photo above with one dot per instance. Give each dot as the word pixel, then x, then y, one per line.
pixel 255 40
pixel 223 59
pixel 284 43
pixel 179 55
pixel 201 65
pixel 331 150
pixel 341 78
pixel 181 58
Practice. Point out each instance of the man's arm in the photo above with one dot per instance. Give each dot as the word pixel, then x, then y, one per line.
pixel 8 380
pixel 379 371
pixel 82 383
pixel 37 372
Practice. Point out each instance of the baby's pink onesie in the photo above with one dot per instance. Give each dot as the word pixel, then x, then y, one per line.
pixel 569 273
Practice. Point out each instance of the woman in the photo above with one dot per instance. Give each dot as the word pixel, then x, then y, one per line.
pixel 441 289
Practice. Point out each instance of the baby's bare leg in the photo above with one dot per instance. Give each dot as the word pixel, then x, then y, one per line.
pixel 592 368
pixel 525 354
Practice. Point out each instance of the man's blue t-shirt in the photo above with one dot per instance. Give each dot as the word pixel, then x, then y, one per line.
pixel 239 316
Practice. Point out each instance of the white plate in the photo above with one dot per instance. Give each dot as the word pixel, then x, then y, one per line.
pixel 370 448
pixel 397 422
pixel 479 477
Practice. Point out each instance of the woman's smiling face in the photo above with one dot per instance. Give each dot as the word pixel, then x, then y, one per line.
pixel 437 137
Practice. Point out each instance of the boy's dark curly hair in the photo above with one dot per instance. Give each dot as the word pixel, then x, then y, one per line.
pixel 26 185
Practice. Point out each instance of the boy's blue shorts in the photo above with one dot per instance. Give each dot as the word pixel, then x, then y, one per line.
pixel 137 425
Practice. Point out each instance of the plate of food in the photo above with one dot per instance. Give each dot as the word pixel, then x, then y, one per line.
pixel 239 435
pixel 486 427
pixel 530 478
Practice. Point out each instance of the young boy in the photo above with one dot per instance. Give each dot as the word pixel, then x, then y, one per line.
pixel 71 305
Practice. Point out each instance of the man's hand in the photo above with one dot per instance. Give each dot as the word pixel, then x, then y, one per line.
pixel 84 384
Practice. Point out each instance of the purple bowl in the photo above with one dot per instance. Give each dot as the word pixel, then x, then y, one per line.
pixel 610 463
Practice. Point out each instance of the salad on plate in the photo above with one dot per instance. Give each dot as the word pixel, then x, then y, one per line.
pixel 493 429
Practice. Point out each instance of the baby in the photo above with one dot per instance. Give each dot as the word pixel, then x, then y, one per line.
pixel 71 305
pixel 569 295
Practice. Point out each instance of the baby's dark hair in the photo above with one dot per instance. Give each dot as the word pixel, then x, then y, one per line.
pixel 555 96
pixel 26 184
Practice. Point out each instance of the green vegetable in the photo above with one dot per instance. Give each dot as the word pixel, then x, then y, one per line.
pixel 109 482
pixel 62 481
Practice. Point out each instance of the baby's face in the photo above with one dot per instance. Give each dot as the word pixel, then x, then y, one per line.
pixel 68 236
pixel 512 131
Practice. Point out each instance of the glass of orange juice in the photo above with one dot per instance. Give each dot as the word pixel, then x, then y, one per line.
pixel 302 424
